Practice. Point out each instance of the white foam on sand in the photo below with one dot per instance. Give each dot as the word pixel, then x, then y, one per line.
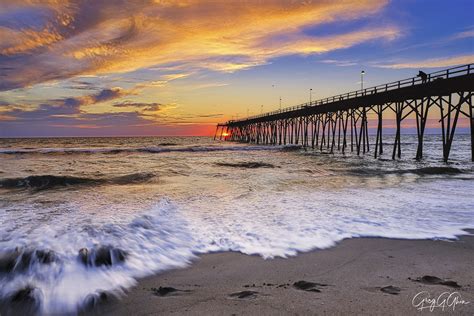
pixel 271 224
pixel 285 224
pixel 153 242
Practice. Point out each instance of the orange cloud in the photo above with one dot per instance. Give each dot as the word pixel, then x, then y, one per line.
pixel 89 38
pixel 14 42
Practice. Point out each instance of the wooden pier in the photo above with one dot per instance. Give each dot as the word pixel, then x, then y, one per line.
pixel 340 122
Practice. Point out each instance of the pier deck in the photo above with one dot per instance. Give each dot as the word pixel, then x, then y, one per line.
pixel 329 122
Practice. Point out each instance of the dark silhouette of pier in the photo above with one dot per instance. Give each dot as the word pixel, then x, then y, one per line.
pixel 340 122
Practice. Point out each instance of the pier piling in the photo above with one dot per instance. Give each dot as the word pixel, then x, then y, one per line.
pixel 325 124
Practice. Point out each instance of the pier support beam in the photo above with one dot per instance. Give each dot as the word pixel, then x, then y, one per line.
pixel 450 90
pixel 421 111
pixel 344 132
pixel 449 120
pixel 398 109
pixel 471 119
pixel 378 140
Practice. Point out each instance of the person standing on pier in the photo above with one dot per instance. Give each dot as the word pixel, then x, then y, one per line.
pixel 423 76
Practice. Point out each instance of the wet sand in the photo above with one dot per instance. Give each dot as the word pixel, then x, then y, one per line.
pixel 361 276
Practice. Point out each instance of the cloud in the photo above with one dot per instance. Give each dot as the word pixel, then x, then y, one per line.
pixel 431 63
pixel 171 77
pixel 54 40
pixel 81 85
pixel 207 85
pixel 340 63
pixel 79 112
pixel 102 96
pixel 45 117
pixel 142 106
pixel 465 34
pixel 212 115
pixel 163 81
pixel 43 112
pixel 64 107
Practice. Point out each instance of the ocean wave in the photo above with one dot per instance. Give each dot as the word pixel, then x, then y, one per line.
pixel 245 165
pixel 20 260
pixel 162 148
pixel 424 171
pixel 45 182
pixel 89 261
pixel 39 268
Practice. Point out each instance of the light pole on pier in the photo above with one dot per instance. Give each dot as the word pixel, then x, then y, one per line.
pixel 280 103
pixel 362 73
pixel 310 95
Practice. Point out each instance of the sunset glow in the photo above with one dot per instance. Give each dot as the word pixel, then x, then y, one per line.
pixel 73 68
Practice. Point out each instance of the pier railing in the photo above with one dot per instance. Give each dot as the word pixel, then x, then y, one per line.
pixel 437 75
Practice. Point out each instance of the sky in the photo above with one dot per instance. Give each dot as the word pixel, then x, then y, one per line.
pixel 178 67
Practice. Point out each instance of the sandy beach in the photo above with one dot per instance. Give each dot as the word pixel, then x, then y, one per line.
pixel 361 276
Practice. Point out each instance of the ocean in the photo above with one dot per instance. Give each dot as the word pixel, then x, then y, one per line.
pixel 83 216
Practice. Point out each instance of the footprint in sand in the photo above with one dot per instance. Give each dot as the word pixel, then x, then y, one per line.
pixel 244 294
pixel 432 280
pixel 390 290
pixel 308 286
pixel 167 291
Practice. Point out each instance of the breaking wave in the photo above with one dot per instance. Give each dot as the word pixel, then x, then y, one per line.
pixel 245 165
pixel 45 182
pixel 92 262
pixel 162 148
pixel 37 270
pixel 425 171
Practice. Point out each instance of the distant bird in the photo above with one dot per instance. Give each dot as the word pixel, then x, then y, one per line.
pixel 423 76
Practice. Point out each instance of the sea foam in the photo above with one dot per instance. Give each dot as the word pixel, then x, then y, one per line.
pixel 170 235
pixel 154 242
pixel 64 245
